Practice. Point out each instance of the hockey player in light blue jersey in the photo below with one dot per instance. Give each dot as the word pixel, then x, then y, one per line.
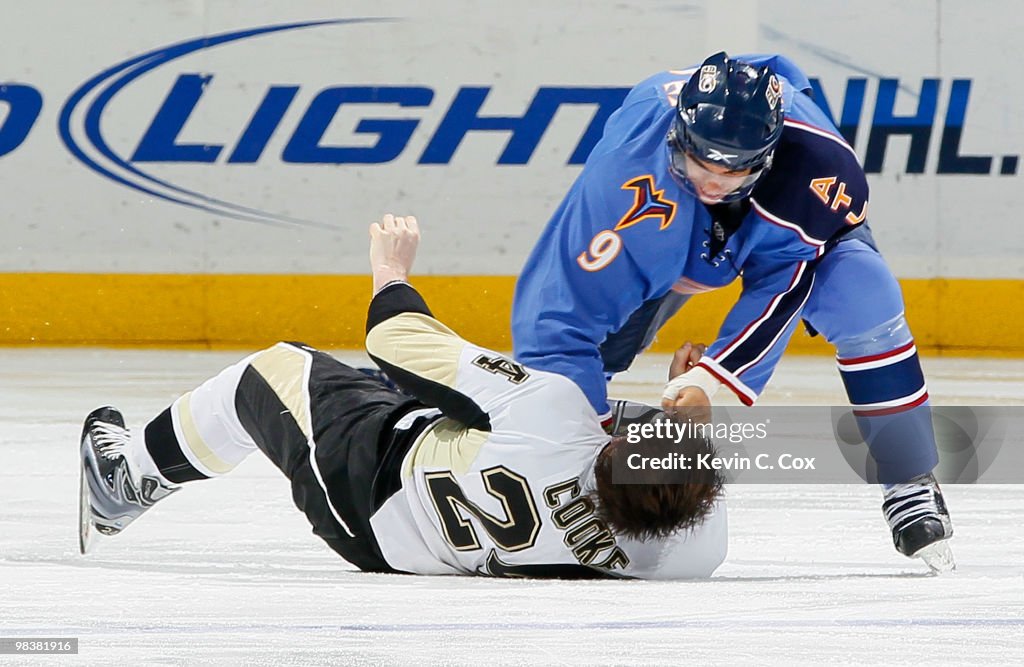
pixel 730 170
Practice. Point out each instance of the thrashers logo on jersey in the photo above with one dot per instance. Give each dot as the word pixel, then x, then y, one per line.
pixel 647 203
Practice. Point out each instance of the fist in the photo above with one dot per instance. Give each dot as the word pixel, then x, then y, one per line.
pixel 393 243
pixel 691 404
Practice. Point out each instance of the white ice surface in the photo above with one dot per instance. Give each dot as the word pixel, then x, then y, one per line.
pixel 227 571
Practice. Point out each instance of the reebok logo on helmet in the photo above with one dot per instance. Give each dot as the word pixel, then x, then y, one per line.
pixel 719 156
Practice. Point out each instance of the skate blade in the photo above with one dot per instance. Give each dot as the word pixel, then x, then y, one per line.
pixel 84 513
pixel 938 557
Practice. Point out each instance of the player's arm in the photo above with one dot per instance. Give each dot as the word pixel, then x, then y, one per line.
pixel 582 279
pixel 419 353
pixel 430 361
pixel 753 336
pixel 580 283
pixel 559 322
pixel 806 210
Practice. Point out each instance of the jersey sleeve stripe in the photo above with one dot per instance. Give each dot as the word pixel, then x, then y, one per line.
pixel 781 330
pixel 765 316
pixel 807 127
pixel 761 336
pixel 768 216
pixel 742 391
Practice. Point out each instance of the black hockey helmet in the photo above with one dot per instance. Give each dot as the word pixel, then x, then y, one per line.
pixel 728 114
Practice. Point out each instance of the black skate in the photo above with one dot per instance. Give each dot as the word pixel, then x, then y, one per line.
pixel 920 522
pixel 112 493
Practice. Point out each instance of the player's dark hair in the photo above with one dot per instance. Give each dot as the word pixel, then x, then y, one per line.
pixel 648 505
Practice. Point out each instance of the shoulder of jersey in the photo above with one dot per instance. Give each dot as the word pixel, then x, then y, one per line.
pixel 662 88
pixel 645 110
pixel 558 408
pixel 816 185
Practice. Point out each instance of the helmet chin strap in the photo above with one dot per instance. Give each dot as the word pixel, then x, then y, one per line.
pixel 726 218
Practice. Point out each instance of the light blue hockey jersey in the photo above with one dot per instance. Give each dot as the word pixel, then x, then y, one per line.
pixel 627 233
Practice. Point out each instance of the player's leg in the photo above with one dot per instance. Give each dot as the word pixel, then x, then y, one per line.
pixel 276 400
pixel 328 428
pixel 197 437
pixel 857 305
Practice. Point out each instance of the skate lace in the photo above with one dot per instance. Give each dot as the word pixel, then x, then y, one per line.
pixel 908 502
pixel 111 440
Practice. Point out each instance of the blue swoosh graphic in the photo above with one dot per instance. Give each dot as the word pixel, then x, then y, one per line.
pixel 112 80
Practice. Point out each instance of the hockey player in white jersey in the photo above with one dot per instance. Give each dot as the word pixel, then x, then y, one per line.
pixel 483 466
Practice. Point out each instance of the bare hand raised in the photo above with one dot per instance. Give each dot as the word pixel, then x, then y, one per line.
pixel 393 243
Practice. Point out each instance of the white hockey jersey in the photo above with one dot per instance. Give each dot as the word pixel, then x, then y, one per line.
pixel 498 483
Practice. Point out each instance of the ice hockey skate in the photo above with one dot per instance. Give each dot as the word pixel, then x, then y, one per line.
pixel 112 493
pixel 920 522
